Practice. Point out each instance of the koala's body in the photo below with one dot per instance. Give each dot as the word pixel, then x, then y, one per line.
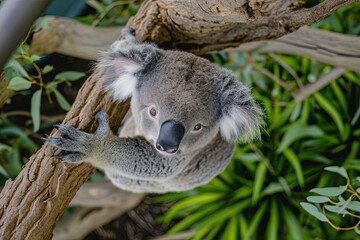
pixel 186 117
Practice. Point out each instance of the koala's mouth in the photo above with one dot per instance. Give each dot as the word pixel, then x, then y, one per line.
pixel 162 152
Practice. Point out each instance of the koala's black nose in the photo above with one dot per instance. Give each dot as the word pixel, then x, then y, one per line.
pixel 170 136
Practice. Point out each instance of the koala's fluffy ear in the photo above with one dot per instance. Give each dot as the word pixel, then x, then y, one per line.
pixel 122 62
pixel 241 117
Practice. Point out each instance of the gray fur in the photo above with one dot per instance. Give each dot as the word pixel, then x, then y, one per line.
pixel 181 87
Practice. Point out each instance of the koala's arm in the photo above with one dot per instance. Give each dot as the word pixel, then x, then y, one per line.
pixel 132 157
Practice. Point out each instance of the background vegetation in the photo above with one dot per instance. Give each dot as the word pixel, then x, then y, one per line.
pixel 258 196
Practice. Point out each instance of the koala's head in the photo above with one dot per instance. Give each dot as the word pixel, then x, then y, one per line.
pixel 179 101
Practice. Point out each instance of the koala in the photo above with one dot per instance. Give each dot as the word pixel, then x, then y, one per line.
pixel 187 115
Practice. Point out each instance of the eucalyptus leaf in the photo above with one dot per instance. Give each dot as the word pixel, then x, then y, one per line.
pixel 40 23
pixel 336 209
pixel 35 109
pixel 317 199
pixel 339 170
pixel 19 69
pixel 34 58
pixel 47 69
pixel 354 205
pixel 19 83
pixel 64 104
pixel 70 75
pixel 329 191
pixel 314 211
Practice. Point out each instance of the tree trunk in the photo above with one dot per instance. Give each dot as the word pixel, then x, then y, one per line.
pixel 31 204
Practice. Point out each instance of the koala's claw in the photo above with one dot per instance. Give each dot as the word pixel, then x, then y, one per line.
pixel 76 144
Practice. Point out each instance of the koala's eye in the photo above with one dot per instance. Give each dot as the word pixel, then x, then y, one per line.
pixel 197 127
pixel 152 112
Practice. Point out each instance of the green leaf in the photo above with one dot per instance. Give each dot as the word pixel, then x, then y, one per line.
pixel 260 175
pixel 4 147
pixel 314 211
pixel 244 228
pixel 331 110
pixel 329 191
pixel 64 104
pixel 339 95
pixel 69 75
pixel 214 232
pixel 35 109
pixel 4 172
pixel 317 199
pixel 295 163
pixel 195 201
pixel 273 225
pixel 47 69
pixel 339 170
pixel 19 83
pixel 225 213
pixel 231 229
pixel 354 205
pixel 336 209
pixel 34 58
pixel 255 221
pixel 19 69
pixel 297 131
pixel 39 24
pixel 195 217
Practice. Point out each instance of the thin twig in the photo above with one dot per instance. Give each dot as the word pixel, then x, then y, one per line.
pixel 323 81
pixel 55 118
pixel 259 153
pixel 270 75
pixel 287 68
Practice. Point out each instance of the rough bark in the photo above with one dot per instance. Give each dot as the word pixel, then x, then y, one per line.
pixel 31 204
pixel 332 48
pixel 103 202
pixel 214 25
pixel 5 92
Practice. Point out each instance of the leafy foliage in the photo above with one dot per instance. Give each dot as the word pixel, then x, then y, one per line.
pixel 110 12
pixel 20 69
pixel 333 201
pixel 266 181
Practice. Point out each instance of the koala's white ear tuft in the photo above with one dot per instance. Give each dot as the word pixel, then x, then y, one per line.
pixel 122 83
pixel 240 124
pixel 241 116
pixel 120 65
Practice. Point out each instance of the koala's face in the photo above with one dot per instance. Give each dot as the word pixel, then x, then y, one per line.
pixel 179 101
pixel 176 104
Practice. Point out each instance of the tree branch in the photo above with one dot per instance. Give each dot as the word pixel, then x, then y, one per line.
pixel 327 47
pixel 323 81
pixel 72 38
pixel 213 25
pixel 103 202
pixel 32 203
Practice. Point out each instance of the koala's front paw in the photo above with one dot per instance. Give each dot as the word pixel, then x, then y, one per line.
pixel 78 145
